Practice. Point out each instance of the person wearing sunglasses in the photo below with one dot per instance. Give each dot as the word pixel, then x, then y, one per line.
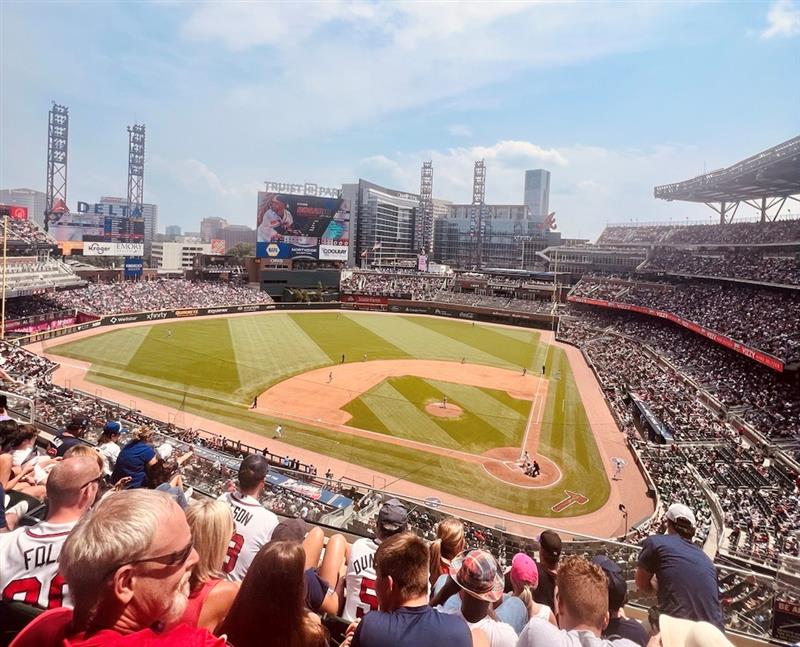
pixel 127 564
pixel 29 555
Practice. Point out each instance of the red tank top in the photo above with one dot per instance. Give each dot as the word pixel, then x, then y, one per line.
pixel 191 616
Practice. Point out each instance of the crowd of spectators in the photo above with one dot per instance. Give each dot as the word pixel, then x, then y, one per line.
pixel 398 285
pixel 764 320
pixel 747 264
pixel 160 294
pixel 735 233
pixel 29 232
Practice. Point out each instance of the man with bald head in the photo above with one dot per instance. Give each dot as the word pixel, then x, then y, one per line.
pixel 127 563
pixel 29 555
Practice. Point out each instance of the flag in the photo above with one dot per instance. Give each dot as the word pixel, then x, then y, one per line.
pixel 377 245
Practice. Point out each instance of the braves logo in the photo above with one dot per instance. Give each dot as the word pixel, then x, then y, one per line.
pixel 570 499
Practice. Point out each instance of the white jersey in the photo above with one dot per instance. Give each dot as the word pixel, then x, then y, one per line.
pixel 29 565
pixel 360 580
pixel 253 528
pixel 110 453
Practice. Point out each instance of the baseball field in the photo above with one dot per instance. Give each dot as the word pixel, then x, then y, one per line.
pixel 449 405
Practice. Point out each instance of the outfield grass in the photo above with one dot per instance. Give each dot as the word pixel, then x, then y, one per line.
pixel 214 367
pixel 396 407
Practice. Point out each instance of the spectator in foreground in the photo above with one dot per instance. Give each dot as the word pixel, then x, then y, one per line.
pixel 687 579
pixel 582 606
pixel 549 554
pixel 405 618
pixel 254 523
pixel 477 574
pixel 618 625
pixel 29 556
pixel 270 609
pixel 135 458
pixel 361 598
pixel 108 447
pixel 519 608
pixel 210 595
pixel 71 435
pixel 686 633
pixel 449 543
pixel 127 564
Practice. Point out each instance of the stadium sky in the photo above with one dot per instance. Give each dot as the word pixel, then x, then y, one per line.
pixel 613 99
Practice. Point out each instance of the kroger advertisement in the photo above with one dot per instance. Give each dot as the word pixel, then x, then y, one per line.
pixel 301 226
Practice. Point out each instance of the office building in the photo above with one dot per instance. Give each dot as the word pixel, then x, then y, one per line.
pixel 34 201
pixel 234 235
pixel 178 255
pixel 209 226
pixel 171 231
pixel 537 194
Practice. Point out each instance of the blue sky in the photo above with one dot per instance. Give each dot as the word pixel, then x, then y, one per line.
pixel 612 98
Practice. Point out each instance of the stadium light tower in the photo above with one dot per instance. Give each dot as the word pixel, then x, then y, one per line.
pixel 57 139
pixel 476 212
pixel 135 169
pixel 423 229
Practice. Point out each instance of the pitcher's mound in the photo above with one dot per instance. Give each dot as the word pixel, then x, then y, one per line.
pixel 450 411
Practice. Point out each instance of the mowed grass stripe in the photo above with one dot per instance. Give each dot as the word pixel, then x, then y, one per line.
pixel 110 349
pixel 188 354
pixel 269 349
pixel 405 419
pixel 515 350
pixel 503 422
pixel 423 343
pixel 340 334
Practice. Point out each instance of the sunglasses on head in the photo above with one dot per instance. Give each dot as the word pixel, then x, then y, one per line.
pixel 177 557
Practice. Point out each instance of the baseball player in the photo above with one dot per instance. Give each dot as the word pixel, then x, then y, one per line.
pixel 360 578
pixel 253 522
pixel 278 432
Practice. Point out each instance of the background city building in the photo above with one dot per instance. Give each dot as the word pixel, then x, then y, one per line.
pixel 177 255
pixel 537 193
pixel 235 234
pixel 172 230
pixel 35 201
pixel 209 226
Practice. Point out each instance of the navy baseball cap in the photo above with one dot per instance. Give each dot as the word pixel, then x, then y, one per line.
pixel 392 516
pixel 617 586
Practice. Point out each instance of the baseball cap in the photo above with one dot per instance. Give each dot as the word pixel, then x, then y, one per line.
pixel 524 569
pixel 617 585
pixel 676 632
pixel 678 511
pixel 293 529
pixel 392 516
pixel 78 423
pixel 477 573
pixel 165 451
pixel 550 543
pixel 112 427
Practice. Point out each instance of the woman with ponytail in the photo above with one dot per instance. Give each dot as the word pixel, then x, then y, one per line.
pixel 448 544
pixel 524 579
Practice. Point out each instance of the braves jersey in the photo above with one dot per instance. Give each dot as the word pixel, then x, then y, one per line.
pixel 29 565
pixel 360 579
pixel 253 528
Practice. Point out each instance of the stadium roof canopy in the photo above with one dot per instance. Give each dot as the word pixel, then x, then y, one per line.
pixel 773 173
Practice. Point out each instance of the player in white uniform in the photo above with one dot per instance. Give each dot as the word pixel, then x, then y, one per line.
pixel 360 596
pixel 253 522
pixel 29 555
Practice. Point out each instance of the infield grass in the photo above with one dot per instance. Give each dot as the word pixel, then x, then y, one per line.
pixel 214 367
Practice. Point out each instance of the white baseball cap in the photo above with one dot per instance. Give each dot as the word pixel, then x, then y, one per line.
pixel 679 511
pixel 165 451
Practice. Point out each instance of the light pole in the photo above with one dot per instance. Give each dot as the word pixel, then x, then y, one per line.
pixel 5 262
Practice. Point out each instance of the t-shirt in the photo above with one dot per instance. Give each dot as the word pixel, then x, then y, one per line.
pixel 110 453
pixel 29 565
pixel 132 461
pixel 50 629
pixel 253 529
pixel 546 589
pixel 627 628
pixel 499 634
pixel 412 627
pixel 687 579
pixel 63 443
pixel 513 612
pixel 540 633
pixel 360 595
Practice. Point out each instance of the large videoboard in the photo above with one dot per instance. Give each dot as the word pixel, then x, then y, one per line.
pixel 301 226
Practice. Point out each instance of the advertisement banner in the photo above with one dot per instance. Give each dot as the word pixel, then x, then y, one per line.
pixel 68 227
pixel 14 212
pixel 422 262
pixel 294 226
pixel 217 246
pixel 134 267
pixel 99 248
pixel 785 620
pixel 328 252
pixel 762 358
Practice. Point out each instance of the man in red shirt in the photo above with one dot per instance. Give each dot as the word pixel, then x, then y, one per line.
pixel 127 564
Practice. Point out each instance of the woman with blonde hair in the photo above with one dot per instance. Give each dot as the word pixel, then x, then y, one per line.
pixel 210 595
pixel 524 580
pixel 449 543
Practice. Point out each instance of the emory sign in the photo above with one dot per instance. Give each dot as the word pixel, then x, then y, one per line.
pixel 309 188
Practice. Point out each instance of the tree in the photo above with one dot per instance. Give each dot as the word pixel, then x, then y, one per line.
pixel 242 250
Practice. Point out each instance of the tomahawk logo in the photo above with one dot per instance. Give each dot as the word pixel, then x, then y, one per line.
pixel 570 499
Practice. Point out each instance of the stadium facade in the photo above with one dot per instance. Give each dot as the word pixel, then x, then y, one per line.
pixel 34 201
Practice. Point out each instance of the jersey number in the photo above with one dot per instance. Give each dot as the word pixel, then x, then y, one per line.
pixel 234 548
pixel 31 588
pixel 367 596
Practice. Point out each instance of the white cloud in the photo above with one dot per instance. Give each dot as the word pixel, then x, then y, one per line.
pixel 783 19
pixel 459 130
pixel 199 179
pixel 342 63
